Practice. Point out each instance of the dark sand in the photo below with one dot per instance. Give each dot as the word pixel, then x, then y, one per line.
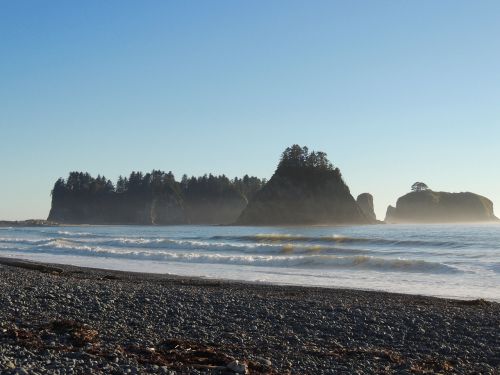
pixel 58 319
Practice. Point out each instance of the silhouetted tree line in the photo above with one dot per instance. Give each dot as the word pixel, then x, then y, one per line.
pixel 299 162
pixel 151 198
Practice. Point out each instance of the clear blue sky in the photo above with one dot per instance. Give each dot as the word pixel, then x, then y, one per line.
pixel 393 91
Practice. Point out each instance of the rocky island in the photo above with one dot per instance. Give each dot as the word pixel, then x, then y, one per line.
pixel 154 198
pixel 365 202
pixel 423 205
pixel 305 189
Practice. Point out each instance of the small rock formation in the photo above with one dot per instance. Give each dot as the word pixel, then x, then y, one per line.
pixel 305 189
pixel 429 206
pixel 390 215
pixel 365 202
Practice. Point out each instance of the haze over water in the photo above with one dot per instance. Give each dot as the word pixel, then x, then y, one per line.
pixel 460 261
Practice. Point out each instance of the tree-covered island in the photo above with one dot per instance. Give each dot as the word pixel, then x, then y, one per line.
pixel 151 198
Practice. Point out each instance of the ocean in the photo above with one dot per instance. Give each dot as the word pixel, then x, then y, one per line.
pixel 457 261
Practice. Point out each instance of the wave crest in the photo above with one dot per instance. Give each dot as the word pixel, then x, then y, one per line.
pixel 338 239
pixel 64 247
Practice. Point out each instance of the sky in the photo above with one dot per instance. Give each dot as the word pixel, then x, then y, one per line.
pixel 393 91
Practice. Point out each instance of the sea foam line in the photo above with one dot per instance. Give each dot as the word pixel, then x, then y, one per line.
pixel 190 245
pixel 212 246
pixel 295 261
pixel 279 237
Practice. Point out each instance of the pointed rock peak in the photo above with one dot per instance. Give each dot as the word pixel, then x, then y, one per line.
pixel 305 189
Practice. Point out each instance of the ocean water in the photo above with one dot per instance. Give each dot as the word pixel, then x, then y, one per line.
pixel 458 261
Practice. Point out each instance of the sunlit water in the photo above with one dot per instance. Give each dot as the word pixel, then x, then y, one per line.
pixel 461 261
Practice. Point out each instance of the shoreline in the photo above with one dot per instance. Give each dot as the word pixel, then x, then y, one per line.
pixel 58 317
pixel 31 223
pixel 60 268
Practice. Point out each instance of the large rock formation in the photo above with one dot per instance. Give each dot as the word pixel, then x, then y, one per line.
pixel 429 206
pixel 162 208
pixel 151 198
pixel 365 202
pixel 305 189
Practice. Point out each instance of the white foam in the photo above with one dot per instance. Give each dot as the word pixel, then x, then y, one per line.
pixel 67 247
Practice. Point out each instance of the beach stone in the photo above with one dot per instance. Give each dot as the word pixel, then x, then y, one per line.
pixel 264 361
pixel 318 331
pixel 237 367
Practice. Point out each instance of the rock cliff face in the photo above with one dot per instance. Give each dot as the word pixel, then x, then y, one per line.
pixel 215 211
pixel 440 207
pixel 162 209
pixel 166 209
pixel 305 189
pixel 365 202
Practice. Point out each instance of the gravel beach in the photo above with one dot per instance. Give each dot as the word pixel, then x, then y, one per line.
pixel 58 319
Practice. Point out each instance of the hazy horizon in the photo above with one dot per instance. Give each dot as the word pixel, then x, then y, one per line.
pixel 393 92
pixel 380 213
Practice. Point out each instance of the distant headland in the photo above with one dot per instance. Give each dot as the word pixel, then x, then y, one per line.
pixel 305 189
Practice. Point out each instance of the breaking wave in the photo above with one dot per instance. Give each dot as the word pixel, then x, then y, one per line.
pixel 277 237
pixel 185 245
pixel 66 233
pixel 64 247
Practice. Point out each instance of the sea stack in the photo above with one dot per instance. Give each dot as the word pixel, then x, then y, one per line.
pixel 427 206
pixel 305 189
pixel 365 202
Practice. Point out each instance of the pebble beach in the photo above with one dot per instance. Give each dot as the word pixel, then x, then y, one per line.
pixel 58 319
